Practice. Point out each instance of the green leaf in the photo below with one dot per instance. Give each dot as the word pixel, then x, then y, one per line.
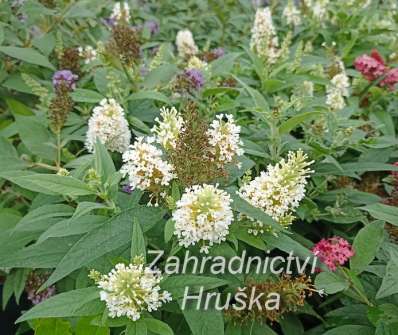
pixel 150 95
pixel 351 330
pixel 176 284
pixel 169 230
pixel 258 99
pixel 158 327
pixel 43 255
pixel 137 328
pixel 389 285
pixel 138 241
pixel 27 55
pixel 84 327
pixel 84 95
pixel 204 322
pixel 82 302
pixel 161 75
pixel 43 217
pixel 224 64
pixel 287 126
pixel 85 207
pixel 35 135
pixel 331 282
pixel 383 212
pixel 53 184
pixel 113 234
pixel 10 160
pixel 19 282
pixel 103 162
pixel 52 327
pixel 366 245
pixel 74 226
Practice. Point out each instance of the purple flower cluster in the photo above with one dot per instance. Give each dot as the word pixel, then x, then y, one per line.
pixel 195 77
pixel 65 77
pixel 33 283
pixel 152 26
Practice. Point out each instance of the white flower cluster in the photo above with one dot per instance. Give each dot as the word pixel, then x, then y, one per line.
pixel 195 63
pixel 279 190
pixel 121 12
pixel 292 14
pixel 203 215
pixel 264 40
pixel 109 125
pixel 185 44
pixel 319 8
pixel 130 290
pixel 337 90
pixel 224 138
pixel 145 168
pixel 88 53
pixel 169 128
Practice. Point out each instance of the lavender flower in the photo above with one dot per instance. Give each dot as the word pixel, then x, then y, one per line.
pixel 65 77
pixel 195 77
pixel 127 189
pixel 152 26
pixel 218 52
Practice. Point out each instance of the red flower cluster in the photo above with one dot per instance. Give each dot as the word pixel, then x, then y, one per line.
pixel 373 67
pixel 333 251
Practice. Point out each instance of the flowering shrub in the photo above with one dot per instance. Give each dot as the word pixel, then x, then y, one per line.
pixel 199 167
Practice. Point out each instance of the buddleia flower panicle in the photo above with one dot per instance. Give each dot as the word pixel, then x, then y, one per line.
pixel 60 106
pixel 124 44
pixel 264 40
pixel 145 168
pixel 88 53
pixel 318 9
pixel 109 125
pixel 65 77
pixel 203 216
pixel 279 190
pixel 224 138
pixel 337 90
pixel 120 13
pixel 292 14
pixel 193 157
pixel 196 63
pixel 168 128
pixel 333 252
pixel 33 284
pixel 70 60
pixel 292 291
pixel 130 290
pixel 185 43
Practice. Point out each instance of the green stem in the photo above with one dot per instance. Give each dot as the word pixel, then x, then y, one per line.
pixel 59 148
pixel 129 77
pixel 363 296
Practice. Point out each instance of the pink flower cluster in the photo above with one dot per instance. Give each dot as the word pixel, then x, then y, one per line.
pixel 373 67
pixel 333 251
pixel 34 282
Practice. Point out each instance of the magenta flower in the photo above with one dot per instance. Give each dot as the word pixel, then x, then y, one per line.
pixel 195 77
pixel 391 79
pixel 371 67
pixel 333 251
pixel 65 77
